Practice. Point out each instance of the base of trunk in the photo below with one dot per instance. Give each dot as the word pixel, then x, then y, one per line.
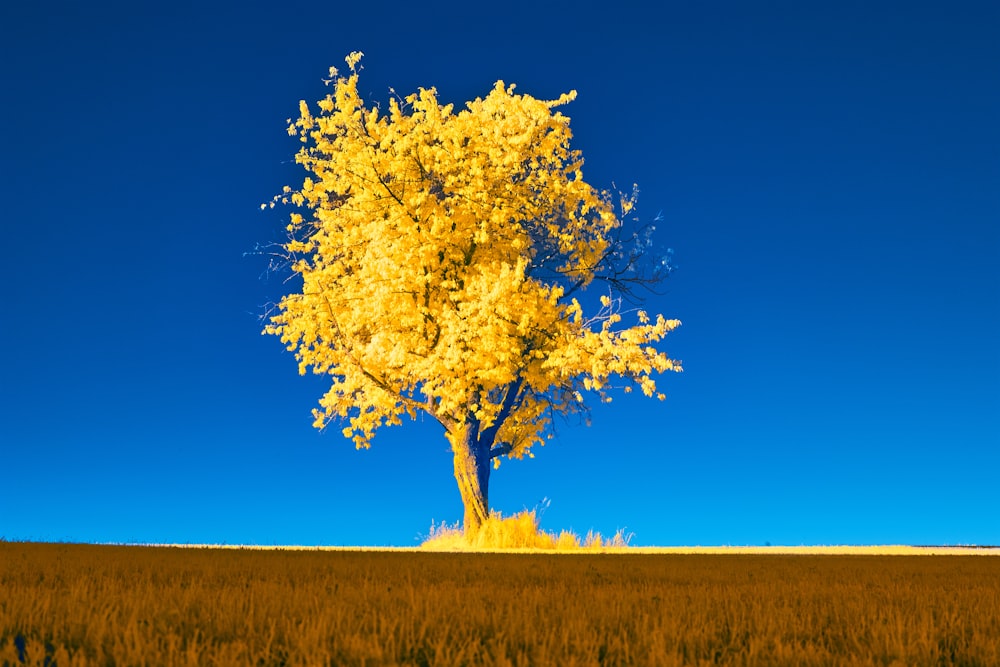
pixel 472 472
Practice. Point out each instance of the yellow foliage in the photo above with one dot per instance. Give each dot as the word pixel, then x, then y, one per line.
pixel 440 251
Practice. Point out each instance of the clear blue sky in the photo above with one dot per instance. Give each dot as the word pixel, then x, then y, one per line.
pixel 829 177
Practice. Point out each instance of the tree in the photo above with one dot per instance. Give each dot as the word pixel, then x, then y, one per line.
pixel 441 254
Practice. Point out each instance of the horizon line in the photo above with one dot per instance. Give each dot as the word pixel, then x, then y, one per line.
pixel 833 549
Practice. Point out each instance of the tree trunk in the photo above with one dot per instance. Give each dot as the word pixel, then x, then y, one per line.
pixel 472 471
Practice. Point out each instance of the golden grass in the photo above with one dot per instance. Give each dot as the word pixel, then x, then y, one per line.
pixel 118 605
pixel 519 532
pixel 807 550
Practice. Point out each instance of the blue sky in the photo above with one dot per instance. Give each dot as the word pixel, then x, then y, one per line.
pixel 829 179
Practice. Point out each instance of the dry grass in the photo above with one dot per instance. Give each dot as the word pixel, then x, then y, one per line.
pixel 106 605
pixel 521 532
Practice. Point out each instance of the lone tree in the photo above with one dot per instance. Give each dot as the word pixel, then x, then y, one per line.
pixel 439 254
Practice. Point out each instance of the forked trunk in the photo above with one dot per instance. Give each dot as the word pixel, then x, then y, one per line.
pixel 472 472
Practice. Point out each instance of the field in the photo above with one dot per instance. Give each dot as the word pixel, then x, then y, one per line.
pixel 68 605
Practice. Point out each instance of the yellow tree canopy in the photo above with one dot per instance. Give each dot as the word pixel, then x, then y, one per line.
pixel 440 253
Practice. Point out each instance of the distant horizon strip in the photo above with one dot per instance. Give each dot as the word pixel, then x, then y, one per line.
pixel 873 550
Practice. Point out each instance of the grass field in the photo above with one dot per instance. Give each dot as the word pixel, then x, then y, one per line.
pixel 66 604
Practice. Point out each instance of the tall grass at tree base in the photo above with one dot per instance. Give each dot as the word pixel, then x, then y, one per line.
pixel 518 531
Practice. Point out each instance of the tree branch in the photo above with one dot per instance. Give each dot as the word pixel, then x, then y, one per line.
pixel 502 449
pixel 509 401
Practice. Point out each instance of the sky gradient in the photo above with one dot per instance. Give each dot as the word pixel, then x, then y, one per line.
pixel 829 180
